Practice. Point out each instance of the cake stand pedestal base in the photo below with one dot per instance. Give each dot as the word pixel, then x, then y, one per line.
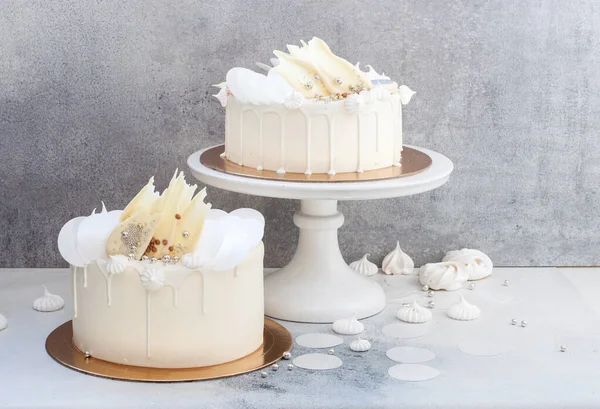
pixel 317 285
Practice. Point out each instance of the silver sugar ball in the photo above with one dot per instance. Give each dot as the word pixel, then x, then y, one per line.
pixel 274 367
pixel 175 259
pixel 317 77
pixel 153 260
pixel 308 85
pixel 472 286
pixel 331 351
pixel 131 256
pixel 339 80
pixel 144 258
pixel 166 258
pixel 263 374
pixel 133 248
pixel 124 234
pixel 87 355
pixel 290 367
pixel 506 283
pixel 287 355
pixel 430 293
pixel 425 287
pixel 186 234
pixel 513 321
pixel 563 348
pixel 523 323
pixel 431 304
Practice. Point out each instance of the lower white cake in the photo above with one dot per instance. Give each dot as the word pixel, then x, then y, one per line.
pixel 165 315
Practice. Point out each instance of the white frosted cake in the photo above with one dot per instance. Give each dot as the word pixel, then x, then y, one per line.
pixel 167 282
pixel 313 112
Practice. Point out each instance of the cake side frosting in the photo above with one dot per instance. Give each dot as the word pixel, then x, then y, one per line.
pixel 194 318
pixel 314 112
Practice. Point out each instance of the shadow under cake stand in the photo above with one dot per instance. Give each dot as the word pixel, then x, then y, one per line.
pixel 317 286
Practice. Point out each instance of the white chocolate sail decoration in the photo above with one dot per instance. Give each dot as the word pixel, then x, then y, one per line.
pixel 315 71
pixel 133 235
pixel 142 202
pixel 414 314
pixel 398 262
pixel 364 266
pixel 48 302
pixel 253 88
pixel 463 310
pixel 480 264
pixel 447 275
pixel 189 228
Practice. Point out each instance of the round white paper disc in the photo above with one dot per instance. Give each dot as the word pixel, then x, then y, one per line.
pixel 318 362
pixel 315 340
pixel 413 372
pixel 406 331
pixel 410 355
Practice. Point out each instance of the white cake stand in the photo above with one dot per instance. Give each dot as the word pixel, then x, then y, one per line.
pixel 317 285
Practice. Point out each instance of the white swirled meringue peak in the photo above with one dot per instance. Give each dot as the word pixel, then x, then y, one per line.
pixel 398 262
pixel 3 322
pixel 294 101
pixel 116 264
pixel 463 310
pixel 414 314
pixel 348 326
pixel 360 345
pixel 446 275
pixel 480 265
pixel 153 279
pixel 48 302
pixel 364 266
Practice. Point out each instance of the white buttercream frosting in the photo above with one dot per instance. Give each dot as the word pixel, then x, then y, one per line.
pixel 116 264
pixel 360 345
pixel 463 310
pixel 349 326
pixel 48 302
pixel 153 279
pixel 191 261
pixel 398 262
pixel 447 275
pixel 414 314
pixel 377 93
pixel 364 266
pixel 480 264
pixel 3 322
pixel 294 101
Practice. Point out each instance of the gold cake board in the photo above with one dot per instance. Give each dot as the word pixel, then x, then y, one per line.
pixel 413 161
pixel 59 346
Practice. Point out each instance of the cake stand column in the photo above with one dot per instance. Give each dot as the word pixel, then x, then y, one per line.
pixel 317 285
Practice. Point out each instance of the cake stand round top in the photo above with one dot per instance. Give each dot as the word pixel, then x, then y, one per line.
pixel 434 176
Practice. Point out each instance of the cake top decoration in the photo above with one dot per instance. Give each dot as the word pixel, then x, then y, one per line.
pixel 169 226
pixel 311 70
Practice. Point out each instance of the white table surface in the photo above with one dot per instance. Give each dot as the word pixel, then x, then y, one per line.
pixel 561 305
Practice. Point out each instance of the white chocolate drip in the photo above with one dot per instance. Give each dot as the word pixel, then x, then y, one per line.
pixel 148 298
pixel 74 277
pixel 85 276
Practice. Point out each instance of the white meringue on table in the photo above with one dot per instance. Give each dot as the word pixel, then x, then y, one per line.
pixel 398 262
pixel 480 264
pixel 3 322
pixel 463 310
pixel 48 302
pixel 414 314
pixel 447 275
pixel 360 345
pixel 350 326
pixel 364 266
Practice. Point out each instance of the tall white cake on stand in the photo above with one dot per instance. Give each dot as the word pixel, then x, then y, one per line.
pixel 317 285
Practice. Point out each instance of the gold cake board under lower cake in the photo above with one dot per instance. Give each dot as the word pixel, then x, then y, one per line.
pixel 413 161
pixel 59 345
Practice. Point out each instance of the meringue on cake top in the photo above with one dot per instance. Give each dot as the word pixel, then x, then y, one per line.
pixel 314 112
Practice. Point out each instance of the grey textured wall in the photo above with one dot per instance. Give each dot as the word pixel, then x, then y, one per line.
pixel 96 96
